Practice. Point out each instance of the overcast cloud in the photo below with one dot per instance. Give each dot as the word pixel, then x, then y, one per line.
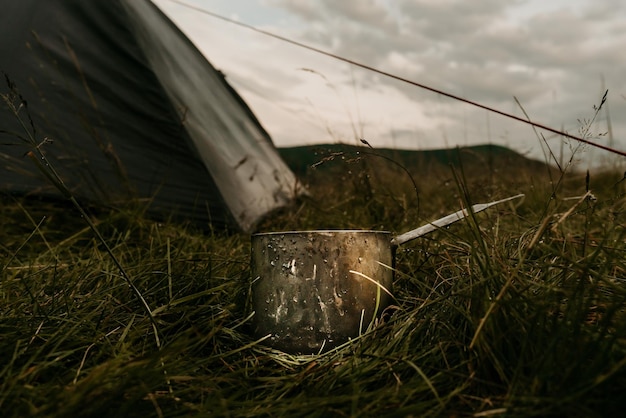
pixel 551 56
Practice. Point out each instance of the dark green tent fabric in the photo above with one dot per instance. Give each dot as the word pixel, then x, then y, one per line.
pixel 134 111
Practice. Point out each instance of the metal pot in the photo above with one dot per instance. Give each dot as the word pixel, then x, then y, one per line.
pixel 314 290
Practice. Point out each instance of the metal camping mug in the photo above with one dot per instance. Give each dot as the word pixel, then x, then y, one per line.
pixel 315 290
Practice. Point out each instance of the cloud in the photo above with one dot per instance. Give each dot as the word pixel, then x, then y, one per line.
pixel 550 56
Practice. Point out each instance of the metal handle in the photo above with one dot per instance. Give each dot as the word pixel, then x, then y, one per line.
pixel 445 221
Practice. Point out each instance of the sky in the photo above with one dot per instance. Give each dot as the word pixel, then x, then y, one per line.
pixel 550 61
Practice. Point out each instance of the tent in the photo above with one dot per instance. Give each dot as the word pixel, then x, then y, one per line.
pixel 134 111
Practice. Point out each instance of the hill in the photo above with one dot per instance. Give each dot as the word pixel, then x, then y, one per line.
pixel 491 157
pixel 428 181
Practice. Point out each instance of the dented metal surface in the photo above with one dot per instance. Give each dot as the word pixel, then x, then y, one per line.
pixel 314 290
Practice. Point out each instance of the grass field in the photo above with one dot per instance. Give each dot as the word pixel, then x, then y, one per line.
pixel 518 311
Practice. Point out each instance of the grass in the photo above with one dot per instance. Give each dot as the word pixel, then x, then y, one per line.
pixel 518 311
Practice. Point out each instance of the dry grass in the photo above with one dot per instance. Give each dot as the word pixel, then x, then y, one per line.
pixel 516 312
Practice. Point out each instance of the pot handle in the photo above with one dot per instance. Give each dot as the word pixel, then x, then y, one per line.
pixel 445 221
